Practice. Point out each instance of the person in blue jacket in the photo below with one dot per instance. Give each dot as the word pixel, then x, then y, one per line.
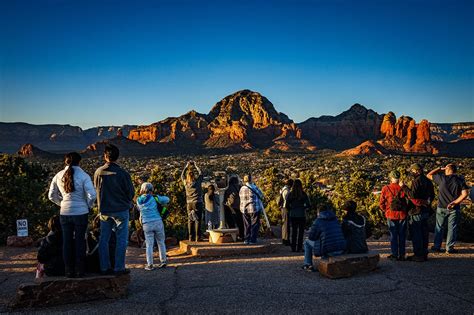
pixel 325 238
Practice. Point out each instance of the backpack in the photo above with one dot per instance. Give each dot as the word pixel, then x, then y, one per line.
pixel 398 203
pixel 162 210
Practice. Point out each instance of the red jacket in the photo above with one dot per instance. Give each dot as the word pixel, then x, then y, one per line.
pixel 388 192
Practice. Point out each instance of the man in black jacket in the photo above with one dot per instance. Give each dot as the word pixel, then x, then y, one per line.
pixel 115 198
pixel 420 191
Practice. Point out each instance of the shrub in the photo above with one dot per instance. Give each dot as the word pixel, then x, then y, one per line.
pixel 23 195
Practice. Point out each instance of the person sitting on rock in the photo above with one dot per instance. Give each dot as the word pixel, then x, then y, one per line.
pixel 325 238
pixel 92 246
pixel 354 229
pixel 50 252
pixel 152 222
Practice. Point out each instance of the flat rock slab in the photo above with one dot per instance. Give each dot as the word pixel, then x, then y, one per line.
pixel 345 266
pixel 57 290
pixel 19 241
pixel 205 249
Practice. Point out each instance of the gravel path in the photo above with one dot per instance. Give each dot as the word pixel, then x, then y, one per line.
pixel 271 284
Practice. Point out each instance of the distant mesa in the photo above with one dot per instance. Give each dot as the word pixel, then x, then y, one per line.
pixel 247 120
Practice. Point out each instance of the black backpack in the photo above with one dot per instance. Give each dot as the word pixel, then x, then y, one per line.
pixel 398 203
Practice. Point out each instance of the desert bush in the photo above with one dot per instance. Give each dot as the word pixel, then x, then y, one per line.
pixel 23 195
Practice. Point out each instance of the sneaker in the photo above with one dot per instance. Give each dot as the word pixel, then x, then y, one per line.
pixel 436 250
pixel 452 251
pixel 416 258
pixel 246 242
pixel 149 267
pixel 122 272
pixel 252 243
pixel 308 267
pixel 392 257
pixel 162 265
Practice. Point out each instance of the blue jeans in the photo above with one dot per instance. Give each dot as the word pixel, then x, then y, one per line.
pixel 119 222
pixel 308 252
pixel 155 230
pixel 251 226
pixel 314 248
pixel 74 242
pixel 398 233
pixel 453 221
pixel 418 226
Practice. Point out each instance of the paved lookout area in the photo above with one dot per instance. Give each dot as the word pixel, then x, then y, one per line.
pixel 270 283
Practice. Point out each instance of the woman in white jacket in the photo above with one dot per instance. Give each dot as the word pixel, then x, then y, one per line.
pixel 72 190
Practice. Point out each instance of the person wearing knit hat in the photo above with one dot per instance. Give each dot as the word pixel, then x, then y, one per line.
pixel 391 204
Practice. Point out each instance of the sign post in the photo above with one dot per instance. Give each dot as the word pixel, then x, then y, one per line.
pixel 22 227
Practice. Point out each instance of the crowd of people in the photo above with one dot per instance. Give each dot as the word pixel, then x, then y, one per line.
pixel 72 248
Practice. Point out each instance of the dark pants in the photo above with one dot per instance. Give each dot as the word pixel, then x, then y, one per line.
pixel 233 219
pixel 194 223
pixel 74 242
pixel 297 233
pixel 285 226
pixel 418 226
pixel 251 226
pixel 398 232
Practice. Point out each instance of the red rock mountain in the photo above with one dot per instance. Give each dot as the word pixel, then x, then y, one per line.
pixel 343 131
pixel 243 120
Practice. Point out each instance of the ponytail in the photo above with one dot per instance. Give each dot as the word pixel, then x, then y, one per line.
pixel 70 159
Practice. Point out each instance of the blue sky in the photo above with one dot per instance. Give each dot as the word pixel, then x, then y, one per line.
pixel 90 63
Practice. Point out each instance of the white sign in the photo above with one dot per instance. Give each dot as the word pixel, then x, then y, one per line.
pixel 22 227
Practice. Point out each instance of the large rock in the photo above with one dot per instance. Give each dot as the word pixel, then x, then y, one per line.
pixel 19 241
pixel 345 266
pixel 57 291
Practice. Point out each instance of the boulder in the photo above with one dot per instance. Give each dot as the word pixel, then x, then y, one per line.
pixel 19 241
pixel 51 291
pixel 345 266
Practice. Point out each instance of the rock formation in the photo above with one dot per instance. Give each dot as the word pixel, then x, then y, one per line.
pixel 343 131
pixel 30 151
pixel 369 147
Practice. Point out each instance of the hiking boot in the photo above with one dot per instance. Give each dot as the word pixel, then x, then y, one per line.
pixel 392 257
pixel 452 251
pixel 308 268
pixel 436 250
pixel 122 272
pixel 416 258
pixel 149 267
pixel 162 265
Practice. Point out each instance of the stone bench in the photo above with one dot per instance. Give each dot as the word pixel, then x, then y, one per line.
pixel 206 249
pixel 51 291
pixel 345 266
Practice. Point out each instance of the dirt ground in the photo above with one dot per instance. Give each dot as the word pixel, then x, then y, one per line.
pixel 272 283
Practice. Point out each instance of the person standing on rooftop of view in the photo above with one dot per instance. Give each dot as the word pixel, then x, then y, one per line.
pixel 452 191
pixel 282 204
pixel 251 204
pixel 115 194
pixel 391 203
pixel 298 204
pixel 211 201
pixel 152 223
pixel 72 190
pixel 420 191
pixel 194 200
pixel 232 214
